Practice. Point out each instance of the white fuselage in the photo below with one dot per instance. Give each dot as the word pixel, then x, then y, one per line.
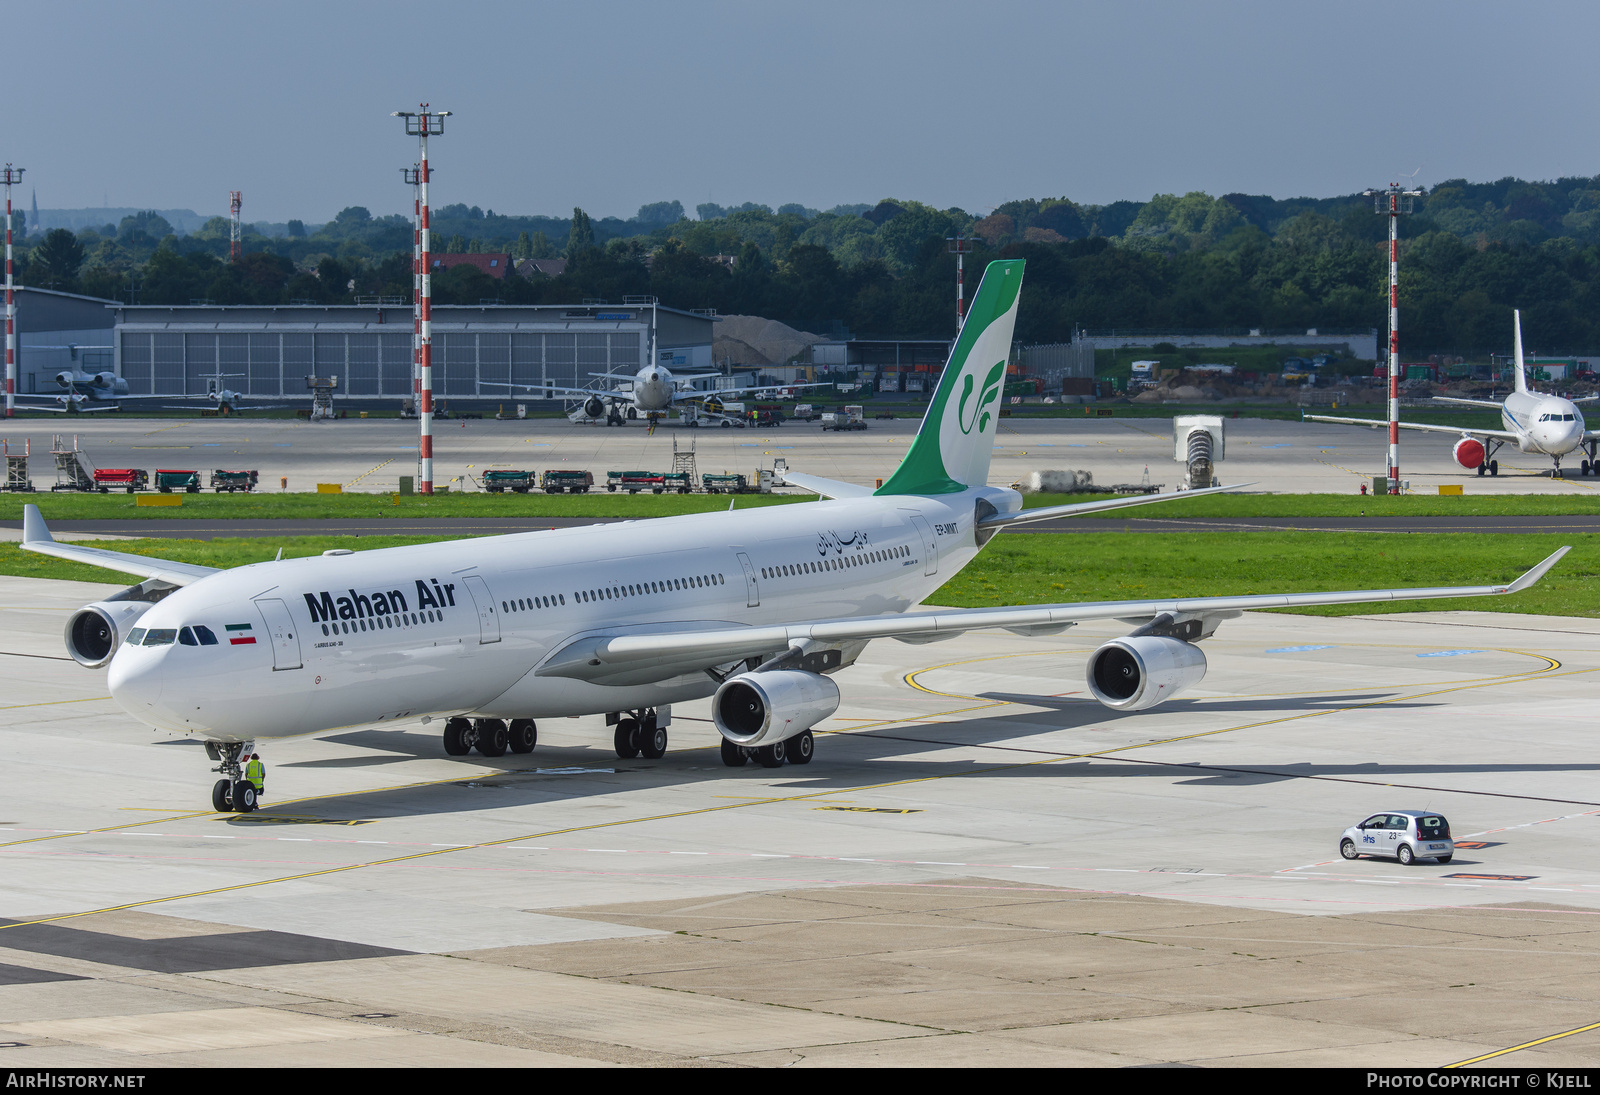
pixel 460 628
pixel 653 387
pixel 1544 424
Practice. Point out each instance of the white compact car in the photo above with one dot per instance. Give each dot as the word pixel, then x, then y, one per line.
pixel 1406 835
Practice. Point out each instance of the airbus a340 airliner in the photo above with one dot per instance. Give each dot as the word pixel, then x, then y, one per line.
pixel 755 609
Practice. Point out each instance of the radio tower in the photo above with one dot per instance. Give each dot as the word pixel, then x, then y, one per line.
pixel 12 177
pixel 235 235
pixel 423 124
pixel 1392 202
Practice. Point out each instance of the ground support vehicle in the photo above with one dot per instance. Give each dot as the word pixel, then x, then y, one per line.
pixel 557 481
pixel 846 418
pixel 805 412
pixel 727 483
pixel 224 481
pixel 171 479
pixel 17 467
pixel 1406 835
pixel 678 482
pixel 128 479
pixel 504 479
pixel 635 481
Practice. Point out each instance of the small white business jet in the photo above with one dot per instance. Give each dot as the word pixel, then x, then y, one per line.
pixel 753 608
pixel 1536 423
pixel 650 394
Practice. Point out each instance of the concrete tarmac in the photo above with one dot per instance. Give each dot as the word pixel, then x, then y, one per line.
pixel 372 454
pixel 982 866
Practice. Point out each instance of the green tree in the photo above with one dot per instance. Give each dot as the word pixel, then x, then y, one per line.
pixel 582 235
pixel 56 260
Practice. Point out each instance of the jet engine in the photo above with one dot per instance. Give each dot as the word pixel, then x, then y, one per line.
pixel 594 407
pixel 66 379
pixel 107 380
pixel 1139 672
pixel 94 632
pixel 761 708
pixel 1468 453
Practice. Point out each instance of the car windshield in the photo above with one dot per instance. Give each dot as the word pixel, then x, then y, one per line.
pixel 1433 827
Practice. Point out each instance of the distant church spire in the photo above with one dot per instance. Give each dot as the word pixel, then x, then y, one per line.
pixel 33 215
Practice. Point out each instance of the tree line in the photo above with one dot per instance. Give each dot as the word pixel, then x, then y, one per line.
pixel 1470 253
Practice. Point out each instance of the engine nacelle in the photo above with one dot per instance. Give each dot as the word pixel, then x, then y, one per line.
pixel 1135 673
pixel 761 708
pixel 107 379
pixel 594 407
pixel 1468 453
pixel 94 632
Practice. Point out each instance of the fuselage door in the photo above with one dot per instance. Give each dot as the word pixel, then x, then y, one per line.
pixel 752 591
pixel 930 546
pixel 281 633
pixel 488 622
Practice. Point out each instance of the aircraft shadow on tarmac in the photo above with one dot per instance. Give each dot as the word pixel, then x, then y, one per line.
pixel 1094 712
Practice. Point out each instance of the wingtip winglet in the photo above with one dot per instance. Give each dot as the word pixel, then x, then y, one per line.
pixel 1537 572
pixel 34 530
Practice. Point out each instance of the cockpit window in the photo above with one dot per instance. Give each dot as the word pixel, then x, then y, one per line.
pixel 160 636
pixel 136 636
pixel 206 636
pixel 186 637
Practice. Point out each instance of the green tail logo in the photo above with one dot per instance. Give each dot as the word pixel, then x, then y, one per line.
pixel 991 392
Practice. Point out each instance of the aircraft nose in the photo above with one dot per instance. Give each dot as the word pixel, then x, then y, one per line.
pixel 135 679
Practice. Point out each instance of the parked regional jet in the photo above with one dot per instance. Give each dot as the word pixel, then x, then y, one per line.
pixel 653 391
pixel 754 609
pixel 1537 423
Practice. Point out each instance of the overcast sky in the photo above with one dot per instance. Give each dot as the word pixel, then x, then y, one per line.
pixel 611 105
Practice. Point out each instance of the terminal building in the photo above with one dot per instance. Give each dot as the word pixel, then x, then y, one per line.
pixel 487 351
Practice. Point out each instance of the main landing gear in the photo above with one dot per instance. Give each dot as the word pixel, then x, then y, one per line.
pixel 490 737
pixel 232 793
pixel 796 750
pixel 641 733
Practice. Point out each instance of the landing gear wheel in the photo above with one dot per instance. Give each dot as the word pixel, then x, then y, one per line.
pixel 456 742
pixel 772 756
pixel 801 747
pixel 220 802
pixel 1584 468
pixel 1494 467
pixel 244 796
pixel 653 740
pixel 1347 848
pixel 524 735
pixel 1404 855
pixel 627 739
pixel 733 755
pixel 1482 468
pixel 492 737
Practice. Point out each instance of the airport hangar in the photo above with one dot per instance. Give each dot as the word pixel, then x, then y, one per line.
pixel 57 331
pixel 269 350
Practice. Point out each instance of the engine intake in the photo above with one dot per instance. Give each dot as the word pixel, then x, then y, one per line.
pixel 1468 452
pixel 594 407
pixel 1137 673
pixel 761 708
pixel 94 632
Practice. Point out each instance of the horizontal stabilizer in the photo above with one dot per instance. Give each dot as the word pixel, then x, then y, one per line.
pixel 828 488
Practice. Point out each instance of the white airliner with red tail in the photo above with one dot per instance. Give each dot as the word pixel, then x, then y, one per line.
pixel 1535 423
pixel 754 609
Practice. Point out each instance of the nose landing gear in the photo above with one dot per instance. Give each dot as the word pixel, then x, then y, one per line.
pixel 232 793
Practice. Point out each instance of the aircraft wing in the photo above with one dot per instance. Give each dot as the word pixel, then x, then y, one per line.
pixel 629 657
pixel 1459 431
pixel 1490 403
pixel 534 389
pixel 36 538
pixel 61 408
pixel 693 394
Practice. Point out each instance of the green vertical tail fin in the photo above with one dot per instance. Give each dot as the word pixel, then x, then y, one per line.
pixel 952 448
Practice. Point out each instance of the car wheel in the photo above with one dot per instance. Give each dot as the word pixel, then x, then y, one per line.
pixel 1404 855
pixel 1347 849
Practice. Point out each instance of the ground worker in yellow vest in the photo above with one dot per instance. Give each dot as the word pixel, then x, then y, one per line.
pixel 256 773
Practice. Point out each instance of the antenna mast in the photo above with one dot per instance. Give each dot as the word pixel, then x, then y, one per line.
pixel 1392 202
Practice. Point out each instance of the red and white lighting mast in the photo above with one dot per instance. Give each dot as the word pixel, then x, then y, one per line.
pixel 12 177
pixel 960 246
pixel 1392 202
pixel 423 124
pixel 413 178
pixel 235 232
